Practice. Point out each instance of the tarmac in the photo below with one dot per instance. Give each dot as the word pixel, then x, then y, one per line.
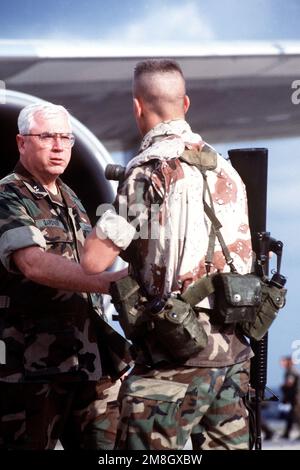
pixel 277 442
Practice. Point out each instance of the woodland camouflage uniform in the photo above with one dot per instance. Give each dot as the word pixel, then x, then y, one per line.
pixel 52 337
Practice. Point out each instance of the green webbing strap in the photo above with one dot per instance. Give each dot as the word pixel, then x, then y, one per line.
pixel 204 287
pixel 216 225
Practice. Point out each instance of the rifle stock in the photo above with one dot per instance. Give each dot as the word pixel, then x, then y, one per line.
pixel 252 166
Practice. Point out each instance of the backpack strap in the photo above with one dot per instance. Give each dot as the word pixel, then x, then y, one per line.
pixel 215 228
pixel 205 159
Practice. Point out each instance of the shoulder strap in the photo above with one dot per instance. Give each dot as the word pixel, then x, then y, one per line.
pixel 205 158
pixel 215 231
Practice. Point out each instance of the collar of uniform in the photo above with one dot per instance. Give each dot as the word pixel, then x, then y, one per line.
pixel 166 141
pixel 36 188
pixel 176 128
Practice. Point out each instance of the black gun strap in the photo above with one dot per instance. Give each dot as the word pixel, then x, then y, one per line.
pixel 215 231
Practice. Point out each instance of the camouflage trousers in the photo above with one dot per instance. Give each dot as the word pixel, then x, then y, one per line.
pixel 162 408
pixel 81 415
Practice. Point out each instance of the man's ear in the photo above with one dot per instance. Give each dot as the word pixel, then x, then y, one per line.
pixel 186 103
pixel 20 142
pixel 137 108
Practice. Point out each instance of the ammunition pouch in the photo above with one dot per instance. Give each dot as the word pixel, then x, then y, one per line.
pixel 273 299
pixel 245 300
pixel 177 328
pixel 237 297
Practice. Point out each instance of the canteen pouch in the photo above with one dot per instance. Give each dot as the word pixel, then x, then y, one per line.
pixel 237 297
pixel 177 328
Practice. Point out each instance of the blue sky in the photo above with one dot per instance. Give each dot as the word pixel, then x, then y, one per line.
pixel 154 20
pixel 193 22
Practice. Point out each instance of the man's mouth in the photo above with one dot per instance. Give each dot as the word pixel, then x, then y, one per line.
pixel 57 161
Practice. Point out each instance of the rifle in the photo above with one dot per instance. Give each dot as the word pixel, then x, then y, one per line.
pixel 252 166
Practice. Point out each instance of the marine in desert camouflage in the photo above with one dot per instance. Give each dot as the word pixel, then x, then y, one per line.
pixel 164 232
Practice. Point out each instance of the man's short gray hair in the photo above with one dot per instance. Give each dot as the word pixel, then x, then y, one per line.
pixel 26 116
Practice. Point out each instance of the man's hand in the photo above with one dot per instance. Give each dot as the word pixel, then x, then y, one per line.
pixel 107 277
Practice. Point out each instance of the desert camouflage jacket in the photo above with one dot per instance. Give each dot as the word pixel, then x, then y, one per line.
pixel 45 331
pixel 162 197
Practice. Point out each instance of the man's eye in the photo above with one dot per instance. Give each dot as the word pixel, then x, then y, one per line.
pixel 46 136
pixel 65 137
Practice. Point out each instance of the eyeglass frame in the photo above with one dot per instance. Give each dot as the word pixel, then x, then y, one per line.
pixel 55 135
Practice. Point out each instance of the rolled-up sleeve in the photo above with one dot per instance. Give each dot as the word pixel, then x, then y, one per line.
pixel 130 216
pixel 17 229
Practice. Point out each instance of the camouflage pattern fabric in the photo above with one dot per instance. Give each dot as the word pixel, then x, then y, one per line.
pixel 35 416
pixel 162 198
pixel 162 408
pixel 46 331
pixel 50 384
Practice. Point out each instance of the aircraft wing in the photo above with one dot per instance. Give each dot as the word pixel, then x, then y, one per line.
pixel 240 94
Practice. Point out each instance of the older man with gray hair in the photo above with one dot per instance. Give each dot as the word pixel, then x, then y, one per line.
pixel 58 378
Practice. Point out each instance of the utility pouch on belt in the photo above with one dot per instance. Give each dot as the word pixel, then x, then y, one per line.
pixel 237 297
pixel 177 328
pixel 172 321
pixel 273 299
pixel 246 300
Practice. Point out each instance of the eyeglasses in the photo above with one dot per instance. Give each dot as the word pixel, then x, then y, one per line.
pixel 47 138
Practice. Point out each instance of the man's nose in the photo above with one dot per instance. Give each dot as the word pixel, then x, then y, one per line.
pixel 57 143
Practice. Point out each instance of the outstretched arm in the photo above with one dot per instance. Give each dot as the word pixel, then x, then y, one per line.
pixel 111 234
pixel 98 253
pixel 61 273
